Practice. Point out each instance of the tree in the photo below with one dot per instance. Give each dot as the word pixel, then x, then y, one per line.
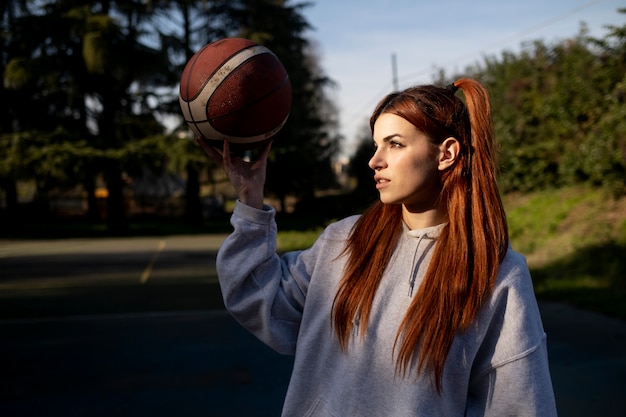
pixel 364 191
pixel 122 73
pixel 39 80
pixel 190 25
pixel 303 151
pixel 10 11
pixel 556 111
pixel 601 159
pixel 101 75
pixel 85 70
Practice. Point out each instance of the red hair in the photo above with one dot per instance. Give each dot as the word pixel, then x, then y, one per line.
pixel 469 250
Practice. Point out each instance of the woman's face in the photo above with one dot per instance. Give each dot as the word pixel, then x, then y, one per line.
pixel 405 164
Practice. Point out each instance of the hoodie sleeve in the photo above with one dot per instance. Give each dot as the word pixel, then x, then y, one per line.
pixel 265 293
pixel 521 387
pixel 512 375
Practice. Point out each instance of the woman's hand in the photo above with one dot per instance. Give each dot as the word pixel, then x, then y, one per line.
pixel 247 177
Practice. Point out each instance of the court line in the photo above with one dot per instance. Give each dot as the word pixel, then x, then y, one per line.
pixel 148 270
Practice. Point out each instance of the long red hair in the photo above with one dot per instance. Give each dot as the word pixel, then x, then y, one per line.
pixel 469 250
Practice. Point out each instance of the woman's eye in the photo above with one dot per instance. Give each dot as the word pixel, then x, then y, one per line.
pixel 395 144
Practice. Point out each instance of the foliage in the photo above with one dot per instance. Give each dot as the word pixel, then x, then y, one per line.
pixel 364 191
pixel 101 78
pixel 559 112
pixel 303 152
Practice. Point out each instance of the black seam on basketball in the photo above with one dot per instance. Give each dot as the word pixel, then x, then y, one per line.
pixel 214 83
pixel 232 74
pixel 197 121
pixel 224 61
pixel 190 72
pixel 261 98
pixel 188 102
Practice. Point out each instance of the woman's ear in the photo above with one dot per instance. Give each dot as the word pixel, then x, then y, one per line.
pixel 449 152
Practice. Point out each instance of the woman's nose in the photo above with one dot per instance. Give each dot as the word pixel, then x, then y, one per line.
pixel 376 162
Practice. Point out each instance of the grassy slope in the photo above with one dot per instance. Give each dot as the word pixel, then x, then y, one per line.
pixel 575 243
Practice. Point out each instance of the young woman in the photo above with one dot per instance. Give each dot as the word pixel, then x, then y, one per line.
pixel 418 307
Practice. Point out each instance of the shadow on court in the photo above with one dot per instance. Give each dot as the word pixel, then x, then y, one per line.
pixel 150 364
pixel 136 327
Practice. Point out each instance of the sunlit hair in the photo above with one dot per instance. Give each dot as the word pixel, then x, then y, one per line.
pixel 468 252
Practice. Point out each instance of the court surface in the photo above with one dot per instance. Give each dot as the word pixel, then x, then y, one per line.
pixel 136 327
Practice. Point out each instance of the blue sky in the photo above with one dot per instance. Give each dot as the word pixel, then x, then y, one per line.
pixel 357 38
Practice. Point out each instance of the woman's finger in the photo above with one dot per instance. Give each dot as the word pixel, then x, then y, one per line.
pixel 226 155
pixel 213 152
pixel 266 151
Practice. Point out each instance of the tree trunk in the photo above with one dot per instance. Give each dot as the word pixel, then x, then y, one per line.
pixel 11 219
pixel 116 213
pixel 93 211
pixel 193 208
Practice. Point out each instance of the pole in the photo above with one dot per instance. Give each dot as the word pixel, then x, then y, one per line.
pixel 394 72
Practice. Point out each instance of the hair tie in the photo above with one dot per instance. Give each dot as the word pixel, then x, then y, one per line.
pixel 452 88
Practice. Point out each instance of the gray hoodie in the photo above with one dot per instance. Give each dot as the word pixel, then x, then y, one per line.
pixel 498 367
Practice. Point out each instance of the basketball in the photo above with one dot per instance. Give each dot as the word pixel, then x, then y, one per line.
pixel 235 90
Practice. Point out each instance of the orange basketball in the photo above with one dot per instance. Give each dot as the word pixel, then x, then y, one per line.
pixel 236 90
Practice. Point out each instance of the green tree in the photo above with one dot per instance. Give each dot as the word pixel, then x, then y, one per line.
pixel 123 72
pixel 555 111
pixel 184 26
pixel 303 151
pixel 45 107
pixel 87 72
pixel 10 11
pixel 364 191
pixel 101 77
pixel 601 159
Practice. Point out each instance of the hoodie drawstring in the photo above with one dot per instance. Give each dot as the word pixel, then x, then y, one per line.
pixel 416 264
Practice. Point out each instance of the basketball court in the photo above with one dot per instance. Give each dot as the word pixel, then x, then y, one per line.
pixel 136 327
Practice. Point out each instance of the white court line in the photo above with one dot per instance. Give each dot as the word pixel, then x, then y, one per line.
pixel 148 270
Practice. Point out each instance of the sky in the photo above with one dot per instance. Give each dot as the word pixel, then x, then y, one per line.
pixel 356 40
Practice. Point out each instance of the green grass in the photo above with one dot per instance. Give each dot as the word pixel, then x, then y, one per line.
pixel 294 240
pixel 536 218
pixel 575 243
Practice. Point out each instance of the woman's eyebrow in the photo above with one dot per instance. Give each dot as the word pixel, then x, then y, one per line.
pixel 389 137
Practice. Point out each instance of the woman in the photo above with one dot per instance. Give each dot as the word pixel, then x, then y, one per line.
pixel 418 307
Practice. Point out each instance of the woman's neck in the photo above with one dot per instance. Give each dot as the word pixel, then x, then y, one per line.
pixel 423 219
